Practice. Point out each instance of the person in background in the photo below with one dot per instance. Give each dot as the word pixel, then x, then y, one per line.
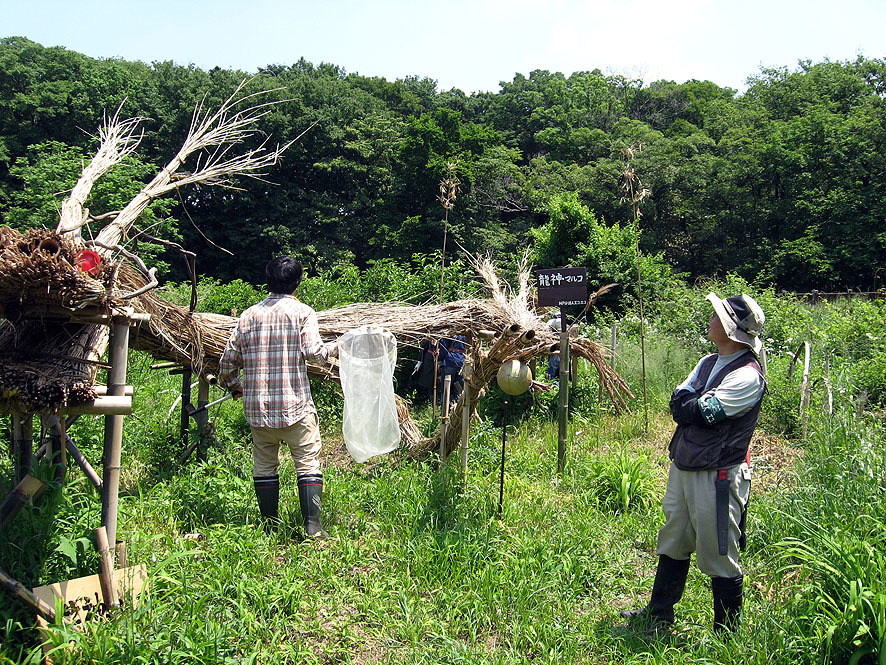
pixel 271 343
pixel 705 505
pixel 452 359
pixel 553 371
pixel 425 371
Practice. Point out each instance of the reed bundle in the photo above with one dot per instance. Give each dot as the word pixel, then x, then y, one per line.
pixel 39 267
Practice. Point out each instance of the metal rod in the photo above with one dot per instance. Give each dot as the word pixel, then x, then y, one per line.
pixel 501 480
pixel 201 416
pixel 184 421
pixel 194 412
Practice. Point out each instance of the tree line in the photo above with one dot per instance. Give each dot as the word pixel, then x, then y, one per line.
pixel 784 184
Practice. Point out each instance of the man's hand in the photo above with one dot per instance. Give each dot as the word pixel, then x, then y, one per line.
pixel 236 394
pixel 684 407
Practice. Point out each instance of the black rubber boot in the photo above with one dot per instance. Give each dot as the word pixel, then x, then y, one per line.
pixel 728 595
pixel 267 491
pixel 310 498
pixel 670 580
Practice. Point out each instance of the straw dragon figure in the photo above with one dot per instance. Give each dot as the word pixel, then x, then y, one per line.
pixel 48 362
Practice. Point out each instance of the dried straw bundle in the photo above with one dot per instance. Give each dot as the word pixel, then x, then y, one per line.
pixel 45 364
pixel 38 267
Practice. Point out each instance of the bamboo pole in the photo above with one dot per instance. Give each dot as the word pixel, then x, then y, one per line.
pixel 17 589
pixel 106 568
pixel 22 444
pixel 108 405
pixel 444 417
pixel 465 417
pixel 58 451
pixel 83 463
pixel 501 479
pixel 113 443
pixel 28 489
pixel 185 419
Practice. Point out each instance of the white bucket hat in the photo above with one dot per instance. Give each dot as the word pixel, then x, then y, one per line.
pixel 742 319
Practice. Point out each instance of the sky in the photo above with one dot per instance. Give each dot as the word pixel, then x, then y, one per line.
pixel 472 45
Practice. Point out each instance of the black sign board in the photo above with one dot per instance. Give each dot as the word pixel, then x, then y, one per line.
pixel 559 287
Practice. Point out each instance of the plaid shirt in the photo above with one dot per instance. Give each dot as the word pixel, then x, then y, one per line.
pixel 270 344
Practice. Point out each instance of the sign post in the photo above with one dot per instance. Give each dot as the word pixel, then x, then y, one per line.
pixel 561 287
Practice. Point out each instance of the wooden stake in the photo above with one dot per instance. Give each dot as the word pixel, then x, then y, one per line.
pixel 58 451
pixel 564 394
pixel 804 388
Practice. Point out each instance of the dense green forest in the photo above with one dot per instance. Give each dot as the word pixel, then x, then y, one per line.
pixel 784 184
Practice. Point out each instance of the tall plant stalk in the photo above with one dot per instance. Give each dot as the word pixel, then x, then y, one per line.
pixel 634 194
pixel 448 192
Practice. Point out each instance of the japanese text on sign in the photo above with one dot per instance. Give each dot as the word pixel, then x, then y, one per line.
pixel 562 286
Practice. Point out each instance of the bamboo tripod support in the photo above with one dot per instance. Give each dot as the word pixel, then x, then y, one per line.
pixel 114 402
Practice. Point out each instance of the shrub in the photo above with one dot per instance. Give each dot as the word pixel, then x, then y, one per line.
pixel 623 482
pixel 214 295
pixel 870 376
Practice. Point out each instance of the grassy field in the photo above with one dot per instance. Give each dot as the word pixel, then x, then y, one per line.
pixel 421 568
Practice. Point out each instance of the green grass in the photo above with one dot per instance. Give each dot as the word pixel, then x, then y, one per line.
pixel 421 568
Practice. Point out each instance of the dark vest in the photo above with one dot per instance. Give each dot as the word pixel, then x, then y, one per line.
pixel 724 444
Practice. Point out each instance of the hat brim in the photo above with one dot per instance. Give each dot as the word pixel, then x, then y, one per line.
pixel 733 332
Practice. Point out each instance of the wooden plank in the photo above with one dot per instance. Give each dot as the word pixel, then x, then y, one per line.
pixel 82 597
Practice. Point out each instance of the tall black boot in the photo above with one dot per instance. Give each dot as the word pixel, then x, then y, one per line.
pixel 670 580
pixel 310 498
pixel 728 596
pixel 267 491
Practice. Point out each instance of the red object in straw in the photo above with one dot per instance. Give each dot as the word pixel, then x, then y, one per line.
pixel 89 262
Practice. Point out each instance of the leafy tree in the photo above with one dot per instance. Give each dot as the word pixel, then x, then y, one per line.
pixel 573 236
pixel 51 169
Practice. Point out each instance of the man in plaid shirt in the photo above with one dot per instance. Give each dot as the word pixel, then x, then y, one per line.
pixel 271 342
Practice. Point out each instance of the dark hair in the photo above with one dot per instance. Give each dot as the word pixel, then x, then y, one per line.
pixel 284 274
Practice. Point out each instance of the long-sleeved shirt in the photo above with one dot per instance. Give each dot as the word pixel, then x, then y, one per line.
pixel 271 343
pixel 739 390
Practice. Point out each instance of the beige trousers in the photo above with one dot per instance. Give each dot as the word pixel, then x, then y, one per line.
pixel 303 439
pixel 690 509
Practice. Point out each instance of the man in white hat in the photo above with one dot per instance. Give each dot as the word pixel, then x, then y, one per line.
pixel 716 410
